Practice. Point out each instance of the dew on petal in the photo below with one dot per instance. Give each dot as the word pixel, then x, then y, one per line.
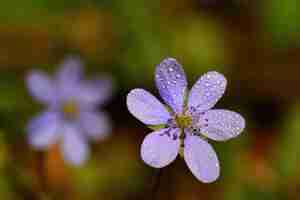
pixel 207 91
pixel 221 124
pixel 171 83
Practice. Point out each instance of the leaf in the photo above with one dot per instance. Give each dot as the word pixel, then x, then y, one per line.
pixel 157 127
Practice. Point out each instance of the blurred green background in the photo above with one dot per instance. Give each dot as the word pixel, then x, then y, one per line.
pixel 254 43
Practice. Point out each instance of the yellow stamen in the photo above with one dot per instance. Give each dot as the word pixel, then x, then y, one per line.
pixel 183 121
pixel 70 109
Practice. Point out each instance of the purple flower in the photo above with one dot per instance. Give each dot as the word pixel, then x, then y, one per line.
pixel 71 117
pixel 188 120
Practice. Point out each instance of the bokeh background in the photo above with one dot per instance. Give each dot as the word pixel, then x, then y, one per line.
pixel 255 43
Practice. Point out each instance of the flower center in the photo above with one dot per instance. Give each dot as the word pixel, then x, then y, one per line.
pixel 70 110
pixel 184 121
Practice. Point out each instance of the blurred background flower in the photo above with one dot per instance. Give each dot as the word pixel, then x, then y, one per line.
pixel 70 118
pixel 255 44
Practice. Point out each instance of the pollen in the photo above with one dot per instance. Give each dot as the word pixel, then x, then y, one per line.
pixel 184 121
pixel 70 110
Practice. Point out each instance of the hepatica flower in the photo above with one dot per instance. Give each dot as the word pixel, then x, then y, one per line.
pixel 71 117
pixel 188 120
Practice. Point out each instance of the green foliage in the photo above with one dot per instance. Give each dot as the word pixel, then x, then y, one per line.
pixel 281 19
pixel 288 147
pixel 199 42
pixel 141 43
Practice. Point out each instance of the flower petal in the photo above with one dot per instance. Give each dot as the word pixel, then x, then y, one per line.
pixel 43 130
pixel 74 145
pixel 222 124
pixel 70 70
pixel 201 159
pixel 41 87
pixel 95 92
pixel 207 91
pixel 160 148
pixel 95 124
pixel 145 107
pixel 171 83
pixel 68 77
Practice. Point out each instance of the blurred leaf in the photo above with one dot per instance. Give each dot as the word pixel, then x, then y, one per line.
pixel 282 21
pixel 288 147
pixel 199 41
pixel 34 10
pixel 6 191
pixel 23 10
pixel 11 93
pixel 142 45
pixel 250 192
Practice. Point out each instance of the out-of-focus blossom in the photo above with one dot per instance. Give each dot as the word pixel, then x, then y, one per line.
pixel 71 117
pixel 188 120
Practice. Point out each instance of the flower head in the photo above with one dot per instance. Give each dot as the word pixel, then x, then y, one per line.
pixel 188 120
pixel 71 116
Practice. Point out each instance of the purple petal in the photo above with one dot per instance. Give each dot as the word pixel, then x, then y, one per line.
pixel 41 87
pixel 160 148
pixel 145 107
pixel 95 124
pixel 171 83
pixel 68 77
pixel 95 92
pixel 70 70
pixel 221 124
pixel 207 91
pixel 44 130
pixel 201 159
pixel 74 146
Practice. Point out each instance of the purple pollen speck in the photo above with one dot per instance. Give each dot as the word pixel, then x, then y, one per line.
pixel 187 125
pixel 71 116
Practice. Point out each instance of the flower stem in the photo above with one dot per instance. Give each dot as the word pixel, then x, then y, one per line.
pixel 155 183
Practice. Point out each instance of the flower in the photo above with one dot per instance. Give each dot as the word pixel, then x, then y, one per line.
pixel 71 117
pixel 188 120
